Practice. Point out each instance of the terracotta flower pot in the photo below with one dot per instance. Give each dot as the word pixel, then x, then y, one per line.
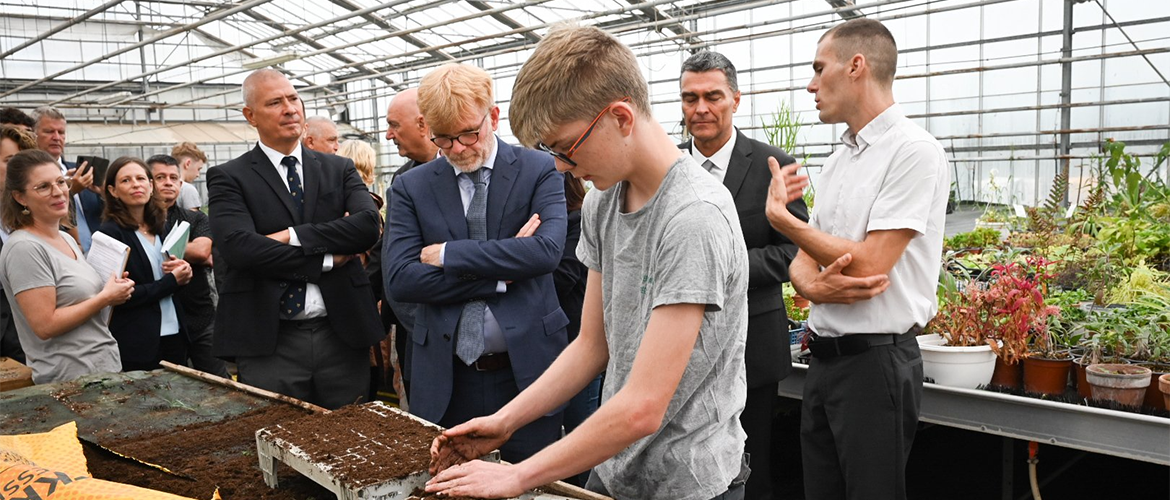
pixel 1006 375
pixel 1124 384
pixel 1046 376
pixel 1154 397
pixel 1083 389
pixel 1164 386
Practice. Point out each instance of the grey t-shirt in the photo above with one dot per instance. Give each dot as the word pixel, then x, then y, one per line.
pixel 683 247
pixel 29 262
pixel 189 197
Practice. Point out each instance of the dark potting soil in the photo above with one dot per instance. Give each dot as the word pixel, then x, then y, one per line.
pixel 216 454
pixel 361 447
pixel 420 494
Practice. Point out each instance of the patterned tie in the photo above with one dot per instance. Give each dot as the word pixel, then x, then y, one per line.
pixel 708 165
pixel 293 301
pixel 469 344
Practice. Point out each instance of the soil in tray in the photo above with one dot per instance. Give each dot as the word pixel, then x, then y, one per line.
pixel 215 454
pixel 361 447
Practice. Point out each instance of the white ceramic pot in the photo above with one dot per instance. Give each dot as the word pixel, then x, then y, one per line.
pixel 967 367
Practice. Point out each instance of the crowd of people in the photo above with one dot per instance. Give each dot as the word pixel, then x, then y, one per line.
pixel 629 337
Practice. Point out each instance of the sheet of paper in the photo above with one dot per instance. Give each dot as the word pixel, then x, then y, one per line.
pixel 107 255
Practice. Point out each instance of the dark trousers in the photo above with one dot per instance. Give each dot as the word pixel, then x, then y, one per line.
pixel 311 364
pixel 756 420
pixel 477 394
pixel 858 420
pixel 199 351
pixel 171 348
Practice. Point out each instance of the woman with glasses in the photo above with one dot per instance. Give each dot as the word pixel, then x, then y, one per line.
pixel 149 326
pixel 61 302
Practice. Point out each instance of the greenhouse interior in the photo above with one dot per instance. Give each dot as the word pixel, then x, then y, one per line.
pixel 1027 184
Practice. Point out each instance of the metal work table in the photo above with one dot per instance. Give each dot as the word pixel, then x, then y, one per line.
pixel 1117 433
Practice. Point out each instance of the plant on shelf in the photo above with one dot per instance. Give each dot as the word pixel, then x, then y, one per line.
pixel 981 237
pixel 1021 316
pixel 783 131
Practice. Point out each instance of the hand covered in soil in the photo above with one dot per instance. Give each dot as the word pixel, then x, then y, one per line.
pixel 466 442
pixel 478 479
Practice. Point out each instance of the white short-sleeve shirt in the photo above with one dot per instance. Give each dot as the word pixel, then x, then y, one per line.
pixel 891 175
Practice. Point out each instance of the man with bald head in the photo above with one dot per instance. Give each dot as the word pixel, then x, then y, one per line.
pixel 321 135
pixel 409 132
pixel 296 310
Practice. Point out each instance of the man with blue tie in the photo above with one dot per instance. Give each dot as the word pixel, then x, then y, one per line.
pixel 296 311
pixel 474 238
pixel 87 205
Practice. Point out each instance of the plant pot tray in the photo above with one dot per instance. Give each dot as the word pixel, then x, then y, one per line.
pixel 371 451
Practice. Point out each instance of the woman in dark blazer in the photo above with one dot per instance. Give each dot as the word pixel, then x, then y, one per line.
pixel 148 327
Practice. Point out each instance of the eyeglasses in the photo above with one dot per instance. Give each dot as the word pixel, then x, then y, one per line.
pixel 567 157
pixel 466 138
pixel 46 188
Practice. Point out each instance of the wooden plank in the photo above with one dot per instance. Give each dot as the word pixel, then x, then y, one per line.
pixel 207 377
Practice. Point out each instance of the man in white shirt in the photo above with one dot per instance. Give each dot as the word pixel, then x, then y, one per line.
pixel 869 261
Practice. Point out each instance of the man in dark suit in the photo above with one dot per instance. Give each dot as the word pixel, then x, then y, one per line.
pixel 404 126
pixel 296 311
pixel 710 96
pixel 474 237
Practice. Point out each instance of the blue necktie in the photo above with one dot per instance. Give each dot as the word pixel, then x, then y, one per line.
pixel 469 345
pixel 293 301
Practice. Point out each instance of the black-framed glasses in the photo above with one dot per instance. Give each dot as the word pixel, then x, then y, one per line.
pixel 46 188
pixel 466 138
pixel 567 156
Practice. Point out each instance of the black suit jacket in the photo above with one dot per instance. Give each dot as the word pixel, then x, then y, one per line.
pixel 135 323
pixel 769 254
pixel 248 199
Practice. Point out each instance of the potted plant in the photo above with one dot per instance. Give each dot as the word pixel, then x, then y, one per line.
pixel 1124 384
pixel 956 351
pixel 1019 313
pixel 1047 364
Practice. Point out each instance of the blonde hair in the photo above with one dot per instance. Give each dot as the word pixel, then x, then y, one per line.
pixel 574 73
pixel 188 150
pixel 363 158
pixel 453 93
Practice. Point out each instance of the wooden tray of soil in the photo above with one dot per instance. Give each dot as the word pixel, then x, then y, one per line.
pixel 369 451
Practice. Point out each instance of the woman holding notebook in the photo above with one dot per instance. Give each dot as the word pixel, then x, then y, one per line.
pixel 149 326
pixel 61 303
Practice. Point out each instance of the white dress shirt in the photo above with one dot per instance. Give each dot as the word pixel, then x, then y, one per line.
pixel 891 175
pixel 721 159
pixel 314 303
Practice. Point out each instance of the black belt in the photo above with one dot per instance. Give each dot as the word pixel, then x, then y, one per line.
pixel 490 362
pixel 849 345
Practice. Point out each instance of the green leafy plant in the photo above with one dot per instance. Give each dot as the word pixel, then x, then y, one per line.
pixel 980 237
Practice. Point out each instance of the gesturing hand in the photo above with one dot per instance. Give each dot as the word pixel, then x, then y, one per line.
pixel 785 188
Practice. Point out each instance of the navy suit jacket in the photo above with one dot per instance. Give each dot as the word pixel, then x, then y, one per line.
pixel 427 209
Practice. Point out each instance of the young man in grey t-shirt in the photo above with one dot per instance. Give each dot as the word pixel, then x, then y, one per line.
pixel 665 310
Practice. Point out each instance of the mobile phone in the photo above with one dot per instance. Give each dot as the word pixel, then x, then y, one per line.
pixel 99 166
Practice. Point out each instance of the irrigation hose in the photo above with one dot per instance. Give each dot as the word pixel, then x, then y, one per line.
pixel 1033 451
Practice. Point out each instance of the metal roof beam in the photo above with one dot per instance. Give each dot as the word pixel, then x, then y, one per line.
pixel 221 52
pixel 310 42
pixel 653 14
pixel 166 34
pixel 505 20
pixel 62 27
pixel 846 14
pixel 382 23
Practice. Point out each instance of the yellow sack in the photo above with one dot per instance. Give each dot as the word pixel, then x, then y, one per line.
pixel 51 466
pixel 57 449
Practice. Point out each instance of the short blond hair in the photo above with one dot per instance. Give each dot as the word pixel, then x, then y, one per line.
pixel 574 73
pixel 188 150
pixel 453 93
pixel 363 158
